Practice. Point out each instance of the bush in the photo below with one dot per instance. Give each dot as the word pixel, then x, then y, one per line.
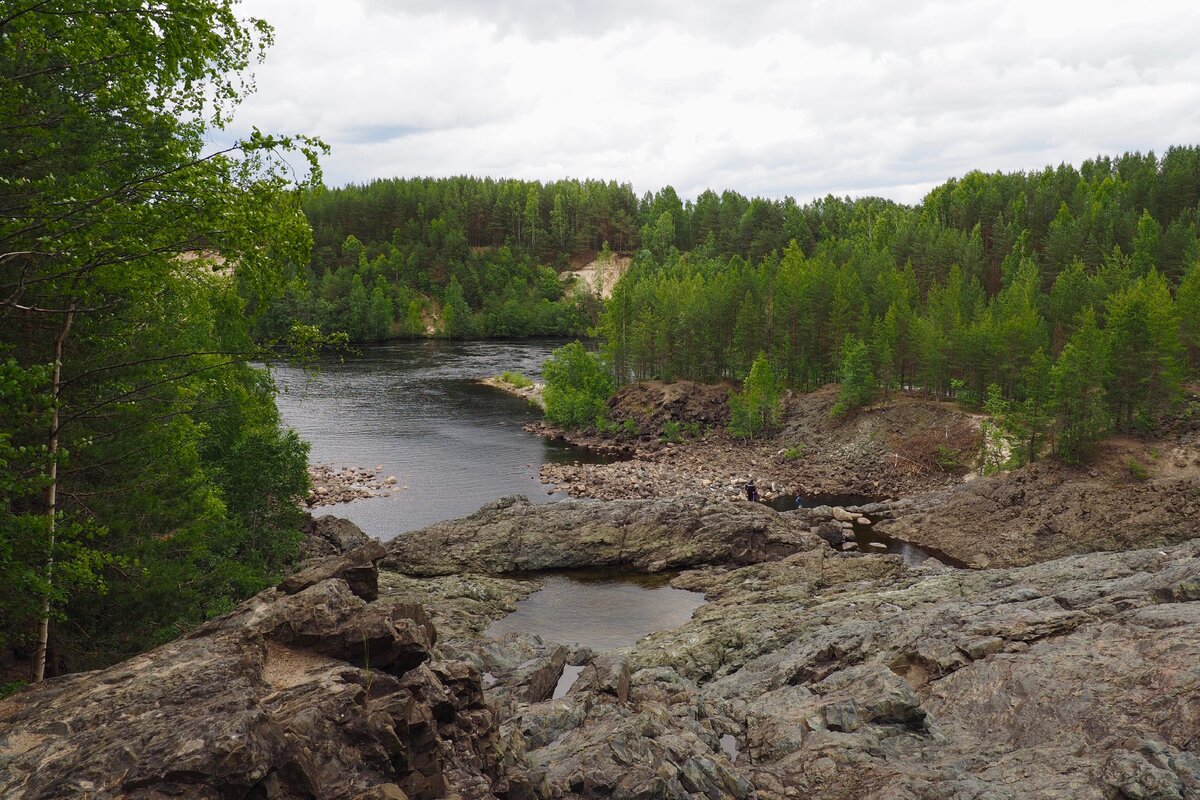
pixel 947 459
pixel 630 427
pixel 794 453
pixel 516 380
pixel 1137 470
pixel 577 387
pixel 671 432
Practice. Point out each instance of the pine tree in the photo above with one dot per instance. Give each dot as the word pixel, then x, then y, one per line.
pixel 757 407
pixel 857 380
pixel 1078 402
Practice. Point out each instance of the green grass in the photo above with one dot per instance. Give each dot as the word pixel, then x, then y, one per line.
pixel 1136 470
pixel 516 380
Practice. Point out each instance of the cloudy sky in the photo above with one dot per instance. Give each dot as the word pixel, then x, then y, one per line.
pixel 798 98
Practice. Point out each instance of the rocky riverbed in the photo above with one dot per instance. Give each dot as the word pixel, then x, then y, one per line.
pixel 809 673
pixel 332 484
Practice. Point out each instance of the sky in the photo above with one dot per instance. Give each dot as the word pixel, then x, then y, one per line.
pixel 772 99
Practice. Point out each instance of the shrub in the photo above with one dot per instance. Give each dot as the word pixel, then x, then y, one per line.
pixel 947 459
pixel 577 387
pixel 794 453
pixel 671 432
pixel 516 379
pixel 1137 470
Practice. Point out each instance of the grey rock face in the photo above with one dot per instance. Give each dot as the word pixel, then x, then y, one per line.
pixel 330 536
pixel 829 675
pixel 513 535
pixel 847 676
pixel 313 694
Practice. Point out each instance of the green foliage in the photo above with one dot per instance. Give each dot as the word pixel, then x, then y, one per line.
pixel 671 432
pixel 516 379
pixel 577 387
pixel 947 459
pixel 143 260
pixel 1137 470
pixel 986 282
pixel 630 428
pixel 757 407
pixel 794 453
pixel 858 385
pixel 1078 402
pixel 11 687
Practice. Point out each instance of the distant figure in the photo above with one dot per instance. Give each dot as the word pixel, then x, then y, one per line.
pixel 799 501
pixel 751 491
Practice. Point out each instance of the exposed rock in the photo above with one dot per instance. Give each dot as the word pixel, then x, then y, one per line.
pixel 1048 510
pixel 314 694
pixel 356 567
pixel 838 675
pixel 332 485
pixel 513 535
pixel 329 536
pixel 894 448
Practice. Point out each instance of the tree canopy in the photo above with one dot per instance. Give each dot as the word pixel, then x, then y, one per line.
pixel 147 481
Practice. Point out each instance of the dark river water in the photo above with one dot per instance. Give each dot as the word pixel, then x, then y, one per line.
pixel 413 408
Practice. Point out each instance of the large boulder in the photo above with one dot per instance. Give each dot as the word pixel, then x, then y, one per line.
pixel 305 693
pixel 514 535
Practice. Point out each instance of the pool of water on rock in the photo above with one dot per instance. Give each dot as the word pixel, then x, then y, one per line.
pixel 865 535
pixel 601 610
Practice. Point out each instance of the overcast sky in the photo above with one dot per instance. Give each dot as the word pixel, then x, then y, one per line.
pixel 805 98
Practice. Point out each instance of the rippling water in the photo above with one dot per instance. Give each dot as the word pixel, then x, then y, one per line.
pixel 413 408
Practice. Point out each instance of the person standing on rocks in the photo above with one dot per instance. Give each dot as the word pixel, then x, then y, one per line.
pixel 751 490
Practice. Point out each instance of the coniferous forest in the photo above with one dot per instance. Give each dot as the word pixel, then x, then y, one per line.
pixel 1066 298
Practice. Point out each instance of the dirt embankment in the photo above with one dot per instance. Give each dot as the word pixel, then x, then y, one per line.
pixel 1133 493
pixel 892 449
pixel 598 276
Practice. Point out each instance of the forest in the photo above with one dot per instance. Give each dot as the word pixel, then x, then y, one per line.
pixel 1067 300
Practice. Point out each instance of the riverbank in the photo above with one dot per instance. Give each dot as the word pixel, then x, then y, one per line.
pixel 900 447
pixel 518 386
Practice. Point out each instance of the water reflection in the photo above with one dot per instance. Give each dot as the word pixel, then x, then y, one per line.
pixel 414 408
pixel 600 612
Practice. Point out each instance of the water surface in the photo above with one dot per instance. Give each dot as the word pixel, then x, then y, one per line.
pixel 600 611
pixel 414 408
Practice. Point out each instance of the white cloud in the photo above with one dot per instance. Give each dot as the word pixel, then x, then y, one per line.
pixel 801 98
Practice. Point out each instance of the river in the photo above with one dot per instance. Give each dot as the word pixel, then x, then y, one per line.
pixel 414 408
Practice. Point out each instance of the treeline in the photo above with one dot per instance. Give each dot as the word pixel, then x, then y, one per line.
pixel 470 257
pixel 458 257
pixel 994 280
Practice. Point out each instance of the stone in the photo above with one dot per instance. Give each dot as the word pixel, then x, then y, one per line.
pixel 514 535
